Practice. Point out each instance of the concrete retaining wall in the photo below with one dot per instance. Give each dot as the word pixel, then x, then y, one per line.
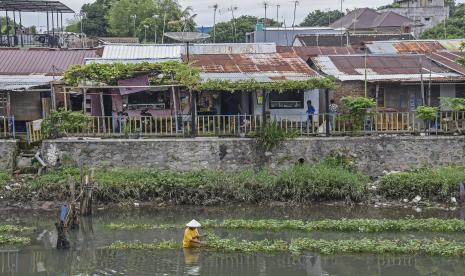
pixel 371 154
pixel 8 149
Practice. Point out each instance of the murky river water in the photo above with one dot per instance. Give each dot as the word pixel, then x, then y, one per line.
pixel 88 257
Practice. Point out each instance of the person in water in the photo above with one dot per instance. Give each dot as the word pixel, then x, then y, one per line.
pixel 191 235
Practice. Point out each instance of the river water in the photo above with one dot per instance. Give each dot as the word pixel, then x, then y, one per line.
pixel 88 256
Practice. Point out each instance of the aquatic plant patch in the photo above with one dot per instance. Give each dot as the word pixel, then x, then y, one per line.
pixel 342 225
pixel 7 228
pixel 429 247
pixel 12 240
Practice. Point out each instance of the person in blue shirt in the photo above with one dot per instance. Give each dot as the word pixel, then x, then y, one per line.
pixel 310 112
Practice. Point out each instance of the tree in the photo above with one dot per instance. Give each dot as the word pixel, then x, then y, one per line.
pixel 243 24
pixel 321 18
pixel 96 21
pixel 454 26
pixel 157 15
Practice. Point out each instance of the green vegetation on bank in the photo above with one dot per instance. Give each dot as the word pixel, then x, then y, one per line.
pixel 335 178
pixel 343 225
pixel 299 183
pixel 12 240
pixel 432 183
pixel 4 178
pixel 437 247
pixel 7 228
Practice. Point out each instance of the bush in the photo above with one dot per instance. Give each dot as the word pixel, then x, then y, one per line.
pixel 272 135
pixel 300 183
pixel 62 122
pixel 434 184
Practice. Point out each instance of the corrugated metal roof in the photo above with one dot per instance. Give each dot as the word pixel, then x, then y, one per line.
pixel 114 39
pixel 132 61
pixel 351 39
pixel 414 46
pixel 382 67
pixel 260 77
pixel 447 59
pixel 40 61
pixel 142 51
pixel 253 63
pixel 312 51
pixel 24 82
pixel 232 48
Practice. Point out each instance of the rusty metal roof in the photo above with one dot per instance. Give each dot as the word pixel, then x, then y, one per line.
pixel 287 62
pixel 306 52
pixel 14 61
pixel 351 39
pixel 383 67
pixel 414 46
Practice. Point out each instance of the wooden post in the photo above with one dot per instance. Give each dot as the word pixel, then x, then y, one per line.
pixel 102 109
pixel 71 221
pixel 86 195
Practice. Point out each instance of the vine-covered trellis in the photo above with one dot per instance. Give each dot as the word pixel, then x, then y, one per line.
pixel 168 73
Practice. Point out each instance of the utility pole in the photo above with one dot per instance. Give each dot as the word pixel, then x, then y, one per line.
pixel 265 4
pixel 277 13
pixel 296 3
pixel 134 23
pixel 145 33
pixel 232 9
pixel 215 9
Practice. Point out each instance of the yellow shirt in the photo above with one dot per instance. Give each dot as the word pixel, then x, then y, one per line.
pixel 189 235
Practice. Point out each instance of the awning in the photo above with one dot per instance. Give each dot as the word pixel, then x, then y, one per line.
pixel 24 82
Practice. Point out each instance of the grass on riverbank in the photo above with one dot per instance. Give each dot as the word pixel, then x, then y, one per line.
pixel 437 184
pixel 12 240
pixel 4 179
pixel 342 225
pixel 299 183
pixel 429 247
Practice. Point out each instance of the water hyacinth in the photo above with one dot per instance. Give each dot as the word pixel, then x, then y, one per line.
pixel 12 240
pixel 437 247
pixel 7 228
pixel 341 225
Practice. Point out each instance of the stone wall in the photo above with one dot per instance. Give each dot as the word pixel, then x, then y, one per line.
pixel 8 149
pixel 371 154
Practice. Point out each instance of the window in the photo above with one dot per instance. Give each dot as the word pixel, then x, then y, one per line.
pixel 427 19
pixel 149 99
pixel 287 100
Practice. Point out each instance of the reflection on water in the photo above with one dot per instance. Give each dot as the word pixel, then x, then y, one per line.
pixel 88 256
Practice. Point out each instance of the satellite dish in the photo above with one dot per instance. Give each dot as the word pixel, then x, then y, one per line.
pixel 187 36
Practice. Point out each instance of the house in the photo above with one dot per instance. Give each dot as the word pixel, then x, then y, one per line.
pixel 284 36
pixel 26 78
pixel 368 20
pixel 233 62
pixel 398 82
pixel 267 67
pixel 425 13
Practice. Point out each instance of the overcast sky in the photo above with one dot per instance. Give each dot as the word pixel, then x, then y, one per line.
pixel 252 7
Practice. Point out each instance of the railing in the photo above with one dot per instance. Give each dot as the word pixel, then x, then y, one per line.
pixel 249 125
pixel 7 127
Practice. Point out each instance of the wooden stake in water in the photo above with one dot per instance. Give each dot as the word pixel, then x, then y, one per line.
pixel 86 195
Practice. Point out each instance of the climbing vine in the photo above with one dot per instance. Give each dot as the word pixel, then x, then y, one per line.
pixel 173 72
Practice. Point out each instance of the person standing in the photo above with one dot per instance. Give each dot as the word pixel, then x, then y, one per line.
pixel 310 113
pixel 333 110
